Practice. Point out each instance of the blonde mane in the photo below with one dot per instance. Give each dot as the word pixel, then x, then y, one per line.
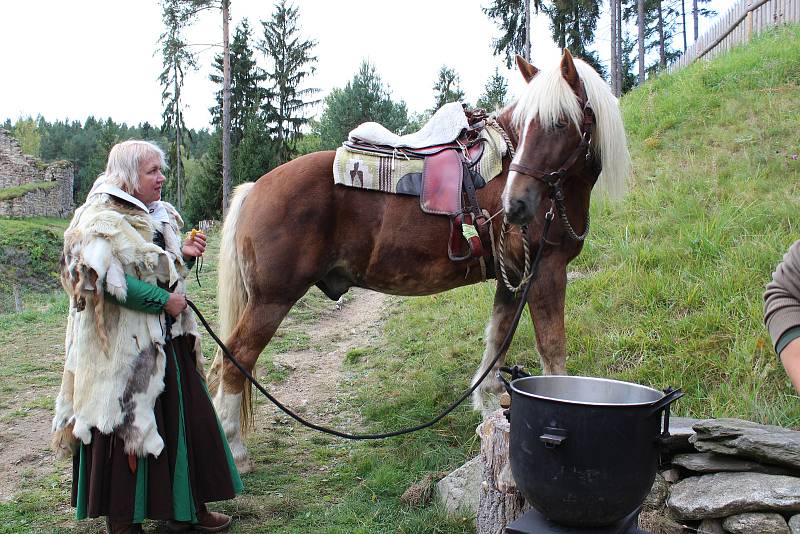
pixel 549 98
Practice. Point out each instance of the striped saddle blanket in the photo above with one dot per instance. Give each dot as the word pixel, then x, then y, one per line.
pixel 402 173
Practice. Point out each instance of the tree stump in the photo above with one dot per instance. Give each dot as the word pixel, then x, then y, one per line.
pixel 498 500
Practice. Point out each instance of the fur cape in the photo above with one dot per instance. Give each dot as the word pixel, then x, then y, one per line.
pixel 115 359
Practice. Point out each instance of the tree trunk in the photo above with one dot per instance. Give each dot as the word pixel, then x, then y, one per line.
pixel 178 177
pixel 662 59
pixel 641 24
pixel 621 63
pixel 614 59
pixel 498 501
pixel 226 109
pixel 695 15
pixel 528 31
pixel 683 18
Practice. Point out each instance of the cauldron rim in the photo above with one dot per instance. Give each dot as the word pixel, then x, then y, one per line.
pixel 658 395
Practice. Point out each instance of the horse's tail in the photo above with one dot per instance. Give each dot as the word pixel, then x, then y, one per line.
pixel 232 298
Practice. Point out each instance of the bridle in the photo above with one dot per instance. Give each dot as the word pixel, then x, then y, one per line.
pixel 554 180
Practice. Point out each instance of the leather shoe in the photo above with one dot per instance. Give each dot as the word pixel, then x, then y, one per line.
pixel 212 521
pixel 206 522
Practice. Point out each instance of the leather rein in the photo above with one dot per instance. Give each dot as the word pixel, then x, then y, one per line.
pixel 554 180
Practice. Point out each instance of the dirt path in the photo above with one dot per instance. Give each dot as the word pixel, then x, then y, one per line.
pixel 316 385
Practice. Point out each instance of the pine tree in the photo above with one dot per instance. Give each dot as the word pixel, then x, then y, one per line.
pixel 247 79
pixel 176 59
pixel 495 92
pixel 573 23
pixel 363 99
pixel 513 19
pixel 292 62
pixel 447 88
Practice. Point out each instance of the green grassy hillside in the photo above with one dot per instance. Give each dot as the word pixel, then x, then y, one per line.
pixel 29 254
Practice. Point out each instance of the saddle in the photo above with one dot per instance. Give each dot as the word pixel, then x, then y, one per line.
pixel 448 178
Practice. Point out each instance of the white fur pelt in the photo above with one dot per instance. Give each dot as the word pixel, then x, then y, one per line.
pixel 115 359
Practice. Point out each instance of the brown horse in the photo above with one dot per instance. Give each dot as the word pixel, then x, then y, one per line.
pixel 293 229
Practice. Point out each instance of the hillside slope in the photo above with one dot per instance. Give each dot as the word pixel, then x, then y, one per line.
pixel 682 263
pixel 674 274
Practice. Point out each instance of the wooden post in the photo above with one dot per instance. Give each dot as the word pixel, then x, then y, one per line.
pixel 749 22
pixel 498 501
pixel 17 299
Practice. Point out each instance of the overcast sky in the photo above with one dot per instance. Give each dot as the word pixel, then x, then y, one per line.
pixel 69 60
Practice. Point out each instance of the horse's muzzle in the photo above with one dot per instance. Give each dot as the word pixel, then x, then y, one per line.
pixel 521 211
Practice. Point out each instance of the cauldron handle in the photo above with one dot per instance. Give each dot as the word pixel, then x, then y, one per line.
pixel 515 372
pixel 670 396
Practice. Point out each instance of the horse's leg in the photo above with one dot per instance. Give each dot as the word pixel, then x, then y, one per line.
pixel 252 333
pixel 502 314
pixel 546 302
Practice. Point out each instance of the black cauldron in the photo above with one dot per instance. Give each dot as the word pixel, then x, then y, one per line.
pixel 584 451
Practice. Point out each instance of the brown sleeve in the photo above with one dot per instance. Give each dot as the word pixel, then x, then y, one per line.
pixel 782 297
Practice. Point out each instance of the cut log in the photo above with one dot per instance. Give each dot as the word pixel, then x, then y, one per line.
pixel 498 501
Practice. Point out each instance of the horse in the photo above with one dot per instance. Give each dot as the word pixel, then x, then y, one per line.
pixel 294 228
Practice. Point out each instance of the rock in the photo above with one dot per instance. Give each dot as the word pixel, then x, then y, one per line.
pixel 765 443
pixel 459 490
pixel 709 462
pixel 761 523
pixel 710 526
pixel 724 494
pixel 680 429
pixel 671 475
pixel 658 494
pixel 794 524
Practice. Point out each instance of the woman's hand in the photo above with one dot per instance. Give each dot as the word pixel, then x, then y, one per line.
pixel 195 245
pixel 176 304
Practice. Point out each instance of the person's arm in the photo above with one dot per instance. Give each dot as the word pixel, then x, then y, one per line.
pixel 142 297
pixel 147 298
pixel 782 312
pixel 790 357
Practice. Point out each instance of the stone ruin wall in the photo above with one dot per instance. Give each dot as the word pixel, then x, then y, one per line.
pixel 18 169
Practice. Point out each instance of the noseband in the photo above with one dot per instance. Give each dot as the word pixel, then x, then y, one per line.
pixel 555 179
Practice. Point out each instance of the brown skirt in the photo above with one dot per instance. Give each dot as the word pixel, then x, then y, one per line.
pixel 105 485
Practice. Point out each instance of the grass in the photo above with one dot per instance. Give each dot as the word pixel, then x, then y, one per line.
pixel 671 297
pixel 9 193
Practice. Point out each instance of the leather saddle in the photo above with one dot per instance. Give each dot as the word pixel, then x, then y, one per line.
pixel 448 179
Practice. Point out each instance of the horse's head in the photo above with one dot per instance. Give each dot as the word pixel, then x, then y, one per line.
pixel 569 128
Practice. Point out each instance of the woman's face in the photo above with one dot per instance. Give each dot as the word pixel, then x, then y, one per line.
pixel 150 180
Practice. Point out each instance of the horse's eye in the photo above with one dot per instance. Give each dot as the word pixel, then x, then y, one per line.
pixel 561 124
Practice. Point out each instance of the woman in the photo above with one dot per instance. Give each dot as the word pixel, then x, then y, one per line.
pixel 133 409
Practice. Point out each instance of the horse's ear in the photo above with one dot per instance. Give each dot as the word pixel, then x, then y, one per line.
pixel 568 70
pixel 528 71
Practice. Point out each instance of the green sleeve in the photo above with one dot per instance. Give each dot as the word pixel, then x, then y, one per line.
pixel 142 297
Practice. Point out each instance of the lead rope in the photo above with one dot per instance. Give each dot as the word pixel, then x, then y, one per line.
pixel 503 348
pixel 526 272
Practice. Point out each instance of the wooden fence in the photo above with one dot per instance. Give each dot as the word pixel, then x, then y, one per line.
pixel 745 19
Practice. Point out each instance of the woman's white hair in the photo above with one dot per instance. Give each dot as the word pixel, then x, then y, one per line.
pixel 122 169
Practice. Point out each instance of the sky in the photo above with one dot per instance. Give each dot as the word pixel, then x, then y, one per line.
pixel 68 60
